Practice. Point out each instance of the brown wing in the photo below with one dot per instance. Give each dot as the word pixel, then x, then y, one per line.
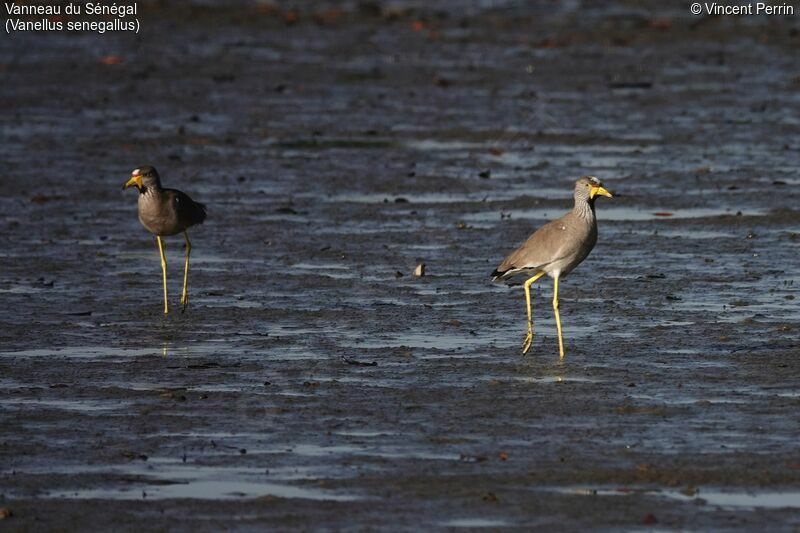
pixel 187 210
pixel 545 245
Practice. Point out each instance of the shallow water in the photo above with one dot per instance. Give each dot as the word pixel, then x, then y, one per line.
pixel 196 487
pixel 727 499
pixel 314 382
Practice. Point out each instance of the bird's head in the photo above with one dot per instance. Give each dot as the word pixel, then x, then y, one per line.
pixel 589 188
pixel 143 178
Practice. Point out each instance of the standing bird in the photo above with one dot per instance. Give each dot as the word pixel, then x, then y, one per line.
pixel 556 249
pixel 165 212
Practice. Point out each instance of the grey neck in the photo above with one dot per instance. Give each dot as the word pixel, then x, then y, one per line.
pixel 149 191
pixel 584 209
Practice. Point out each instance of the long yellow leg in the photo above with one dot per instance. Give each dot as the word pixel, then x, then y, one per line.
pixel 185 296
pixel 558 318
pixel 164 272
pixel 526 344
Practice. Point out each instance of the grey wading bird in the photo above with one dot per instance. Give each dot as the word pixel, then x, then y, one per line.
pixel 165 212
pixel 556 249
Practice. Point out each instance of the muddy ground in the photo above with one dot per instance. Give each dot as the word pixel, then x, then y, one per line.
pixel 314 382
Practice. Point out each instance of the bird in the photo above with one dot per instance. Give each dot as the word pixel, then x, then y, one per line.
pixel 556 249
pixel 164 212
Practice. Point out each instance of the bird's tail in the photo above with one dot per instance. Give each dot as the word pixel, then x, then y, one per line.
pixel 199 213
pixel 509 277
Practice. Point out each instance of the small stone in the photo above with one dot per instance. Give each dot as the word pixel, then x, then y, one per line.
pixel 649 519
pixel 420 270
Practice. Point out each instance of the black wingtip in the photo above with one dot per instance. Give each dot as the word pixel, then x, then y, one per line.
pixel 201 213
pixel 496 274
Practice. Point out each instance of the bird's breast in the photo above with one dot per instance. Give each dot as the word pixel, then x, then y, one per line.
pixel 156 215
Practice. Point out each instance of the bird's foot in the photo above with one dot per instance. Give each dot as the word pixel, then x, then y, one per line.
pixel 526 344
pixel 184 302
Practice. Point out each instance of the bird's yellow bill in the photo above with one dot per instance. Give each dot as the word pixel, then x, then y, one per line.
pixel 599 191
pixel 135 180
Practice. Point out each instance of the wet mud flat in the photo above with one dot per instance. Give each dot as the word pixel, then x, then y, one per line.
pixel 314 382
